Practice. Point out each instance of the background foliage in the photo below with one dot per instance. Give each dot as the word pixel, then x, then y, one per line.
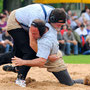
pixel 14 4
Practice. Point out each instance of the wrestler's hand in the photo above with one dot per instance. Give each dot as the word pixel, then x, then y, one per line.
pixel 53 57
pixel 18 61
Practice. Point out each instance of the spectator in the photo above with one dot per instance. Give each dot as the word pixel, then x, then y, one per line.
pixel 83 19
pixel 75 23
pixel 3 23
pixel 88 29
pixel 87 46
pixel 2 49
pixel 69 13
pixel 69 19
pixel 4 43
pixel 74 15
pixel 84 10
pixel 82 32
pixel 87 14
pixel 70 41
pixel 61 42
pixel 6 13
pixel 64 29
pixel 8 40
pixel 77 37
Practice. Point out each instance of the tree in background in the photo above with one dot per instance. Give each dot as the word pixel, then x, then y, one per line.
pixel 14 4
pixel 26 2
pixel 11 4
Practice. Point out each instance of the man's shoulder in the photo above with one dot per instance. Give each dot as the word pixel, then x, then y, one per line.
pixel 78 29
pixel 46 39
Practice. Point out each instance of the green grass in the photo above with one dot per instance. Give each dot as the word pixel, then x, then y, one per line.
pixel 1 5
pixel 77 59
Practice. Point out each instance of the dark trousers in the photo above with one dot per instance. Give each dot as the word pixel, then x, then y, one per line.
pixel 21 49
pixel 6 58
pixel 62 47
pixel 64 77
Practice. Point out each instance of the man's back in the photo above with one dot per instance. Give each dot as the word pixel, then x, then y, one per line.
pixel 31 12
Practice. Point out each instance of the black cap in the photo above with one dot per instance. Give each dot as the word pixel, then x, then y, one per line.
pixel 57 16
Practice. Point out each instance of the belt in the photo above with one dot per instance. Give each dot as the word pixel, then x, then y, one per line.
pixel 17 21
pixel 22 25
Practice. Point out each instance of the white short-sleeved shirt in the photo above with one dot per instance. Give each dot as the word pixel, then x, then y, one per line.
pixel 31 12
pixel 87 16
pixel 80 32
pixel 48 43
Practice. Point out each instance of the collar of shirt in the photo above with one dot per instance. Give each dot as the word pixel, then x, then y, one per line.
pixel 50 32
pixel 51 29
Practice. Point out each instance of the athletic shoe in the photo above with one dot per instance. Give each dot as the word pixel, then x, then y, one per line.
pixel 10 68
pixel 21 83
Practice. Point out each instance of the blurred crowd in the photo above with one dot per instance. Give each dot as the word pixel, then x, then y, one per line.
pixel 6 42
pixel 73 36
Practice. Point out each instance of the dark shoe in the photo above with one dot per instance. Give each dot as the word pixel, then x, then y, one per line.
pixel 79 81
pixel 10 68
pixel 87 80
